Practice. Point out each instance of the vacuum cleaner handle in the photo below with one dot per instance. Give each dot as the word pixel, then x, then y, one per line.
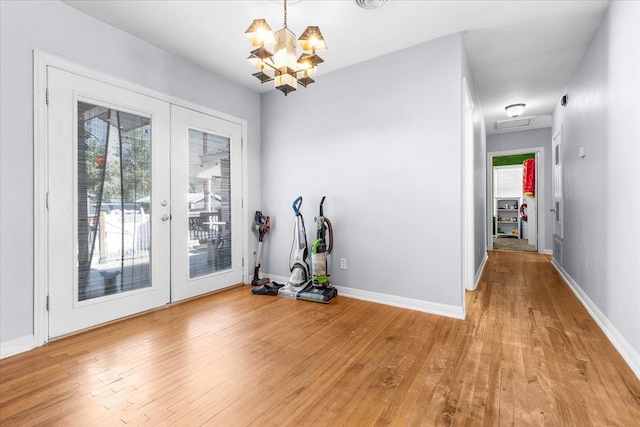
pixel 330 229
pixel 296 205
pixel 321 203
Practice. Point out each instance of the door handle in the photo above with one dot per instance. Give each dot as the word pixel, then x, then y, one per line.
pixel 165 217
pixel 552 210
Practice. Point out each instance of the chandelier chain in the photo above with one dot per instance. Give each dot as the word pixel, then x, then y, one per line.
pixel 285 13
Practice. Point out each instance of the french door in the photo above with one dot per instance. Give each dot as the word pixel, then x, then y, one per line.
pixel 108 198
pixel 206 253
pixel 144 202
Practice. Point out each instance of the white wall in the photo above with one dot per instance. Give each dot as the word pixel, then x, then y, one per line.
pixel 530 139
pixel 600 251
pixel 57 28
pixel 382 140
pixel 479 168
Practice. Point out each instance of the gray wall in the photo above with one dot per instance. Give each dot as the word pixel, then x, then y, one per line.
pixel 382 140
pixel 530 139
pixel 57 28
pixel 601 231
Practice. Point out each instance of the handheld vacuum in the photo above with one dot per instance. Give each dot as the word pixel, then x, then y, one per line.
pixel 261 225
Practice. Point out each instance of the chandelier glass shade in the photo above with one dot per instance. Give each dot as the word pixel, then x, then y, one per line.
pixel 282 64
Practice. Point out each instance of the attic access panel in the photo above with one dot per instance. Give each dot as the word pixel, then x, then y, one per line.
pixel 520 122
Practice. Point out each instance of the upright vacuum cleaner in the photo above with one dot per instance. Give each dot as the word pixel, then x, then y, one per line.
pixel 298 266
pixel 320 250
pixel 320 289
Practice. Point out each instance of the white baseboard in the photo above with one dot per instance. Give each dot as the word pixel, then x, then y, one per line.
pixel 403 302
pixel 483 263
pixel 392 300
pixel 548 252
pixel 628 353
pixel 16 346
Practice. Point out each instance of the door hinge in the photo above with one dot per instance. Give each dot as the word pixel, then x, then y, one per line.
pixel 47 302
pixel 243 262
pixel 242 203
pixel 46 96
pixel 47 200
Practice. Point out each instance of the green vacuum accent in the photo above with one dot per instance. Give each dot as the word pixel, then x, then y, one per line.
pixel 319 262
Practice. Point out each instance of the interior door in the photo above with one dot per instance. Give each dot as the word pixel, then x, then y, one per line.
pixel 557 184
pixel 108 202
pixel 206 225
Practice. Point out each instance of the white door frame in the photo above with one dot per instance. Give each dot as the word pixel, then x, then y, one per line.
pixel 468 225
pixel 42 60
pixel 540 192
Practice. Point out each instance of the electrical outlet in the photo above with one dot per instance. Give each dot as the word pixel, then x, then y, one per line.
pixel 343 263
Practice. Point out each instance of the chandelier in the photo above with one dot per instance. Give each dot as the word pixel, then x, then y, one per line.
pixel 283 66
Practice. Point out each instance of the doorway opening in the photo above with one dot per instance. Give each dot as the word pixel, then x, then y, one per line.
pixel 515 195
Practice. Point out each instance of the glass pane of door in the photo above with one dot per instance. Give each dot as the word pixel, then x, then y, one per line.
pixel 114 182
pixel 209 209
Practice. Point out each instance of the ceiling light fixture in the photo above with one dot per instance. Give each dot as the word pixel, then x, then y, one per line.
pixel 514 110
pixel 288 70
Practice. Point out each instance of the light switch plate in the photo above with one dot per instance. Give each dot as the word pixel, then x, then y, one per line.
pixel 582 151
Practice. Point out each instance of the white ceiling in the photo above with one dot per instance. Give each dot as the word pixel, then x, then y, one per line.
pixel 519 51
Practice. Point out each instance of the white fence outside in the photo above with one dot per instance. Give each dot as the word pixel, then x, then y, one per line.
pixel 131 239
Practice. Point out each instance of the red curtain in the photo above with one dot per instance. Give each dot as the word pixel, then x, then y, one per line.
pixel 529 177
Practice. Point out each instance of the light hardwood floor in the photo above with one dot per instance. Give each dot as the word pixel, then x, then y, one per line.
pixel 527 354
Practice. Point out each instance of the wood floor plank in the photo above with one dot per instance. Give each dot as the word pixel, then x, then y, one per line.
pixel 527 354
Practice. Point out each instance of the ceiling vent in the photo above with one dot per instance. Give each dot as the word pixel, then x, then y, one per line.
pixel 370 4
pixel 520 122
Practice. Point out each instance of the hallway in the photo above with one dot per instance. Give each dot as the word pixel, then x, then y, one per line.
pixel 512 244
pixel 553 363
pixel 527 354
